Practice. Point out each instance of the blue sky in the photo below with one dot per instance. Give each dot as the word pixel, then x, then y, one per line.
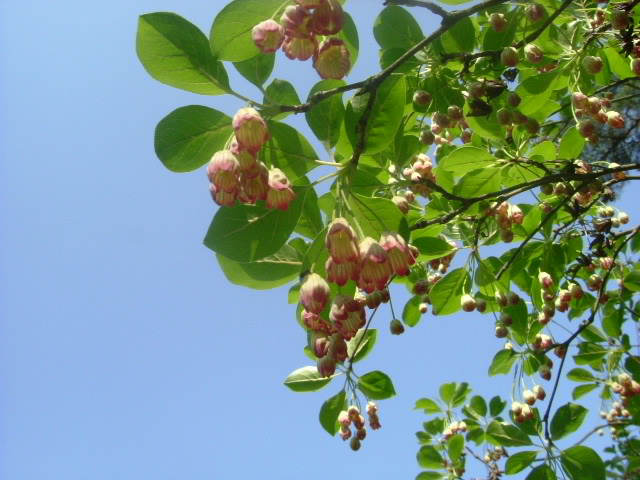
pixel 124 352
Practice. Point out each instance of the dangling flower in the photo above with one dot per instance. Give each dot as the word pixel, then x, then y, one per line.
pixel 333 59
pixel 268 36
pixel 222 198
pixel 314 293
pixel 296 20
pixel 328 18
pixel 341 273
pixel 251 129
pixel 341 241
pixel 222 171
pixel 280 193
pixel 255 183
pixel 338 348
pixel 326 366
pixel 246 159
pixel 316 323
pixel 375 268
pixel 300 48
pixel 400 257
pixel 347 316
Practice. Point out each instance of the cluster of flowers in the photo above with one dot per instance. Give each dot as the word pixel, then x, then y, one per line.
pixel 617 412
pixel 593 110
pixel 581 194
pixel 505 320
pixel 506 215
pixel 442 124
pixel 522 411
pixel 510 117
pixel 353 416
pixel 608 213
pixel 420 168
pixel 297 33
pixel 237 174
pixel 368 263
pixel 453 429
pixel 495 455
pixel 626 387
pixel 534 12
pixel 619 19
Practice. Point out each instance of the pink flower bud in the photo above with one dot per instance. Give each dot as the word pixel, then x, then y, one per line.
pixel 328 18
pixel 615 120
pixel 268 36
pixel 296 20
pixel 509 57
pixel 422 98
pixel 338 346
pixel 399 254
pixel 513 298
pixel 375 268
pixel 319 343
pixel 343 419
pixel 576 291
pixel 348 316
pixel 223 171
pixel 333 59
pixel 501 331
pixel 345 433
pixel 579 100
pixel 506 319
pixel 635 66
pixel 498 22
pixel 341 241
pixel 513 99
pixel 586 128
pixel 619 20
pixel 516 408
pixel 593 65
pixel 545 280
pixel 402 204
pixel 326 366
pixel 314 293
pixel 476 90
pixel 501 299
pixel 396 327
pixel 481 305
pixel 539 392
pixel 468 303
pixel 533 53
pixel 251 129
pixel 534 12
pixel 427 137
pixel 529 397
pixel 280 193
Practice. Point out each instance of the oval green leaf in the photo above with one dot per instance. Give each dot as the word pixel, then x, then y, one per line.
pixel 376 385
pixel 306 379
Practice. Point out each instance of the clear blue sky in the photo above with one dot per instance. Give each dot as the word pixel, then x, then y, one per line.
pixel 124 352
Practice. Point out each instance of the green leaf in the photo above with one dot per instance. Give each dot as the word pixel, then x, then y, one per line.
pixel 519 461
pixel 632 364
pixel 247 233
pixel 460 394
pixel 281 92
pixel 306 379
pixel 384 118
pixel 447 392
pixel 496 406
pixel 330 411
pixel 257 69
pixel 429 457
pixel 428 405
pixel 410 313
pixel 310 223
pixel 506 435
pixel 326 117
pixel 270 272
pixel 581 390
pixel 365 341
pixel 502 362
pixel 478 405
pixel 632 281
pixel 188 137
pixel 617 63
pixel 175 52
pixel 454 2
pixel 571 145
pixel 376 385
pixel 375 215
pixel 432 247
pixel 567 420
pixel 289 151
pixel 465 159
pixel 580 375
pixel 478 182
pixel 456 445
pixel 446 293
pixel 542 472
pixel 395 27
pixel 582 463
pixel 461 37
pixel 349 35
pixel 430 476
pixel 535 91
pixel 230 36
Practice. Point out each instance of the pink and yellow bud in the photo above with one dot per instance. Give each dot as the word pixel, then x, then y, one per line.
pixel 326 366
pixel 246 159
pixel 399 254
pixel 592 65
pixel 223 171
pixel 615 120
pixel 268 36
pixel 533 53
pixel 545 280
pixel 255 183
pixel 333 59
pixel 529 397
pixel 328 18
pixel 509 57
pixel 341 242
pixel 401 203
pixel 498 22
pixel 375 268
pixel 280 194
pixel 534 12
pixel 314 293
pixel 250 128
pixel 296 21
pixel 539 392
pixel 222 198
pixel 422 98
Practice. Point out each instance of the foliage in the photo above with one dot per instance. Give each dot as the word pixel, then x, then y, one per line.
pixel 516 105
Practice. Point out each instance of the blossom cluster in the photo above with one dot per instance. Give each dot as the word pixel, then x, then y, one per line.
pixel 237 174
pixel 593 110
pixel 352 416
pixel 298 31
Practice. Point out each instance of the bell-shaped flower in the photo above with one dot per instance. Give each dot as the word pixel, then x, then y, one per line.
pixel 314 293
pixel 268 36
pixel 222 198
pixel 333 59
pixel 341 273
pixel 280 193
pixel 347 316
pixel 341 241
pixel 400 256
pixel 375 267
pixel 246 158
pixel 251 129
pixel 254 183
pixel 300 48
pixel 296 21
pixel 328 18
pixel 223 171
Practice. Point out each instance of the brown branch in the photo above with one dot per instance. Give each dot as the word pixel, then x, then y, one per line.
pixel 432 7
